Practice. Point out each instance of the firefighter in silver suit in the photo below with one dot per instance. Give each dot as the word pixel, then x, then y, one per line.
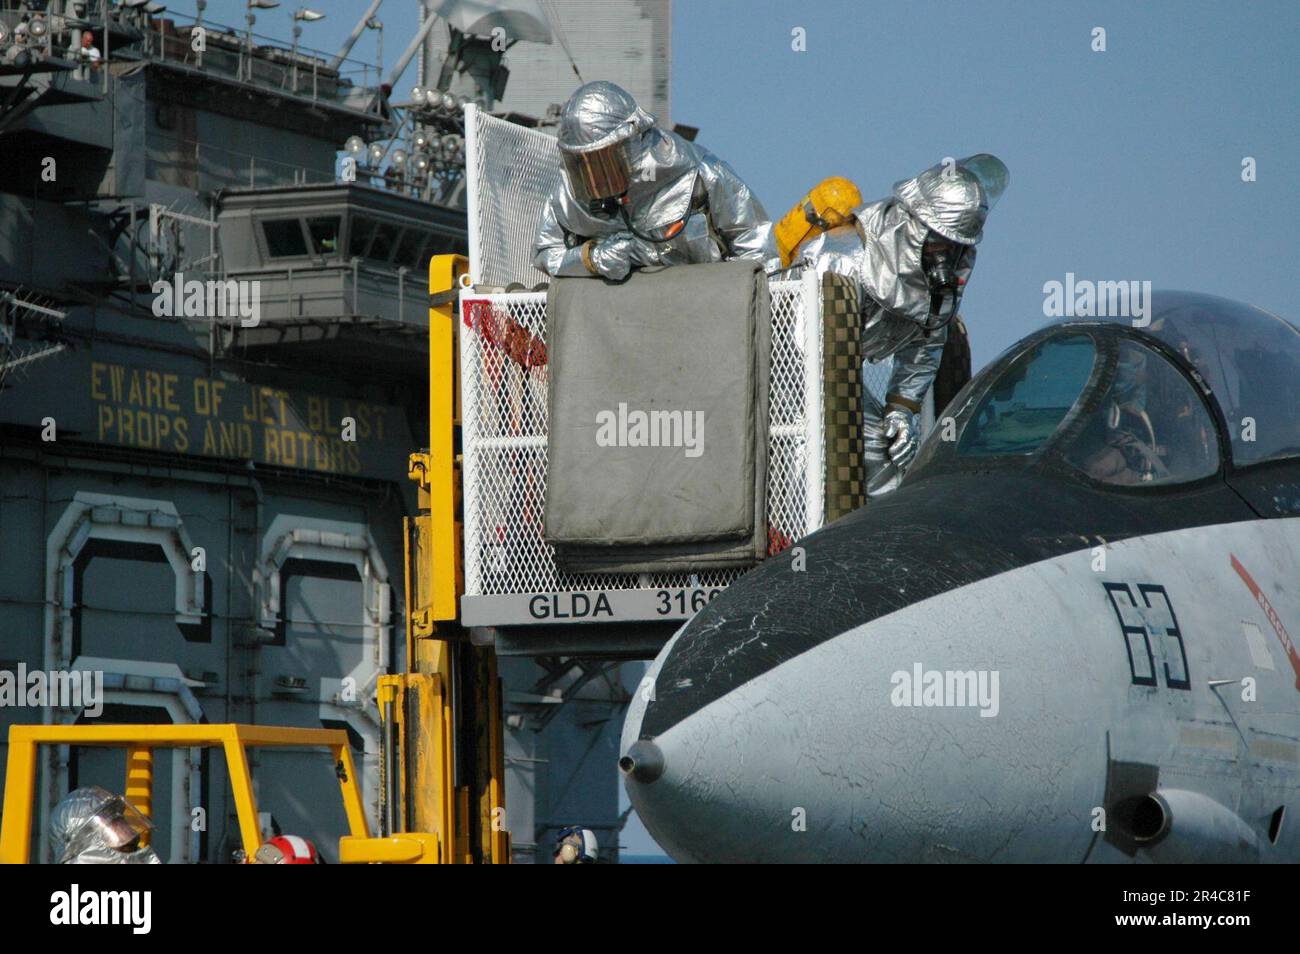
pixel 909 254
pixel 634 195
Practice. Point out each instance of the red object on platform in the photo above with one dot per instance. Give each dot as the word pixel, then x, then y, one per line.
pixel 522 346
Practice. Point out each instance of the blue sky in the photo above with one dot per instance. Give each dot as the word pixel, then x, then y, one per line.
pixel 1125 164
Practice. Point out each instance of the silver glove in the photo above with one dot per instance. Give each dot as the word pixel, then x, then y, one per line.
pixel 611 256
pixel 898 426
pixel 643 253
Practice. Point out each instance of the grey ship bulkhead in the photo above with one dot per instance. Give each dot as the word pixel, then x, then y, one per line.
pixel 138 430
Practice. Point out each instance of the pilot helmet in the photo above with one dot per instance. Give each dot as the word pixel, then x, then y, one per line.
pixel 575 845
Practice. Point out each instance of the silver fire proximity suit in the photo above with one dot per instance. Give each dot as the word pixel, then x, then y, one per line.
pixel 91 826
pixel 633 195
pixel 909 255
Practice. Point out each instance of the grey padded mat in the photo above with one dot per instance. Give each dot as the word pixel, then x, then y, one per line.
pixel 675 358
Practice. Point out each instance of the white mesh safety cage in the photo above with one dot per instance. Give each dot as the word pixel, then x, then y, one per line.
pixel 511 169
pixel 511 576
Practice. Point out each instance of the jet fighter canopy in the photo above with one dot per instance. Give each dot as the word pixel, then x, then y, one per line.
pixel 1249 358
pixel 1107 402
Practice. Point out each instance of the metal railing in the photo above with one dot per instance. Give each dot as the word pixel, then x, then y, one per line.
pixel 244 167
pixel 256 58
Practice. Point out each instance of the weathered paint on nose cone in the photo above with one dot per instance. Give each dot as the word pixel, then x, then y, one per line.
pixel 773 709
pixel 909 546
pixel 663 781
pixel 661 792
pixel 826 759
pixel 899 550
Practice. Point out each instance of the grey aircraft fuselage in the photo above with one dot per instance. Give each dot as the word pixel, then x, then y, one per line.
pixel 1068 637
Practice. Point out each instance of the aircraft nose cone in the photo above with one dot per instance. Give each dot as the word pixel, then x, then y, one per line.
pixel 868 565
pixel 664 790
pixel 644 762
pixel 762 725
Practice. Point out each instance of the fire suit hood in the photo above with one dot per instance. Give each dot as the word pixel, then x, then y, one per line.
pixel 612 149
pixel 889 268
pixel 89 826
pixel 665 167
pixel 954 199
pixel 598 115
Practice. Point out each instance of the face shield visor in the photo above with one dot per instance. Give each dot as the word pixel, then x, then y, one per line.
pixel 115 826
pixel 598 177
pixel 992 175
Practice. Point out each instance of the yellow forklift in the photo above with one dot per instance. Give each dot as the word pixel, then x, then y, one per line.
pixel 442 797
pixel 442 743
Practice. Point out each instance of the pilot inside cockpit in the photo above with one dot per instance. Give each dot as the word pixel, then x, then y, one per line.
pixel 1147 427
pixel 1206 384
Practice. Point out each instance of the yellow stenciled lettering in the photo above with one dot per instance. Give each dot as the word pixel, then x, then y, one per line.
pixel 267 406
pixel 144 429
pixel 169 393
pixel 135 395
pixel 321 457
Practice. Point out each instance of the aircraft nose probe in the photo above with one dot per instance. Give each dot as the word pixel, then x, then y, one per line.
pixel 644 761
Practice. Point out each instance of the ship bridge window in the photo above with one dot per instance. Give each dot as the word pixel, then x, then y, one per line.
pixel 408 252
pixel 362 231
pixel 386 237
pixel 284 238
pixel 445 245
pixel 324 235
pixel 1145 424
pixel 1028 403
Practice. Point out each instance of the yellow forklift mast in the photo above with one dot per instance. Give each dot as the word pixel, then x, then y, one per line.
pixel 442 764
